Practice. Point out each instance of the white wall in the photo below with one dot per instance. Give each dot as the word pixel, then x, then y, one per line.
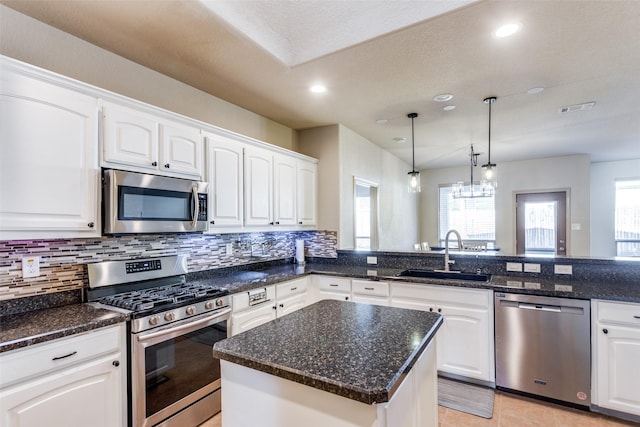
pixel 28 40
pixel 322 143
pixel 558 173
pixel 603 178
pixel 343 155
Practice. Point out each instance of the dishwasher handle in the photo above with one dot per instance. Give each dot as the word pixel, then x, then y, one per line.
pixel 540 307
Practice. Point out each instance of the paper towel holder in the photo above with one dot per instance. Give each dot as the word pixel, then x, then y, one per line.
pixel 299 252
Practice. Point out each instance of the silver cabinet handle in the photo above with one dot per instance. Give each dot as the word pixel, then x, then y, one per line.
pixel 636 317
pixel 368 289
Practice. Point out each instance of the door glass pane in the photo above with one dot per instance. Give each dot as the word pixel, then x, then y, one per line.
pixel 363 217
pixel 540 227
pixel 178 367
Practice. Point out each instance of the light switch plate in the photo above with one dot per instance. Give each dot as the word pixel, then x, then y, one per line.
pixel 372 260
pixel 514 266
pixel 531 268
pixel 372 272
pixel 562 269
pixel 30 267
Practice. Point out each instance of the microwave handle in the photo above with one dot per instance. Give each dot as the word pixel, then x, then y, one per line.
pixel 196 206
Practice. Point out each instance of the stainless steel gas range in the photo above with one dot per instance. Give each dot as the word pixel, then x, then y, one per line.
pixel 174 379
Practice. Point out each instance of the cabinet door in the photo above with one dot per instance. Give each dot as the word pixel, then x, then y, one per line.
pixel 284 190
pixel 130 137
pixel 49 174
pixel 370 299
pixel 258 196
pixel 307 194
pixel 181 150
pixel 86 395
pixel 291 304
pixel 252 317
pixel 225 177
pixel 339 296
pixel 618 368
pixel 463 329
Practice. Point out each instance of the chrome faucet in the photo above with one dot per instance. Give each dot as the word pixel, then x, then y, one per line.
pixel 447 262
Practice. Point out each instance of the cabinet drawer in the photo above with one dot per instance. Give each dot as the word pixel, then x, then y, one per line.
pixel 25 363
pixel 616 312
pixel 334 284
pixel 470 297
pixel 241 300
pixel 291 287
pixel 370 287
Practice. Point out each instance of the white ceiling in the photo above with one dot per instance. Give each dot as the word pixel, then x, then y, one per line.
pixel 384 59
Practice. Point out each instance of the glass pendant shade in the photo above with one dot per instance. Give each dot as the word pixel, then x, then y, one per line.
pixel 414 181
pixel 489 180
pixel 414 175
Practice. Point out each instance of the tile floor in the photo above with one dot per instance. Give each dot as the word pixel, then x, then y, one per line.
pixel 512 411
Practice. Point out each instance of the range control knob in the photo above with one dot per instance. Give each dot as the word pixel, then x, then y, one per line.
pixel 169 316
pixel 208 305
pixel 153 321
pixel 219 303
pixel 191 310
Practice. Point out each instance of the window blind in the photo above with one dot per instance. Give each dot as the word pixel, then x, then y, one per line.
pixel 627 217
pixel 474 218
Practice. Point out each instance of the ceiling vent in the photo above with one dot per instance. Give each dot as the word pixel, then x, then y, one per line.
pixel 577 107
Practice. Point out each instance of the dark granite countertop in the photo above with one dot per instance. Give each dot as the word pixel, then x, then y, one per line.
pixel 616 290
pixel 345 348
pixel 24 329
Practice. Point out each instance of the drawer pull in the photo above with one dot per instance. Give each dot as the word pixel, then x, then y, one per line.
pixel 333 284
pixel 294 288
pixel 636 317
pixel 65 356
pixel 368 289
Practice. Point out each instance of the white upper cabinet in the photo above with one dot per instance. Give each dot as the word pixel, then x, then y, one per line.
pixel 258 187
pixel 307 186
pixel 225 177
pixel 182 149
pixel 142 142
pixel 284 190
pixel 49 174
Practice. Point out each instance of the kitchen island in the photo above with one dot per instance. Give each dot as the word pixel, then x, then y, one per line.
pixel 333 363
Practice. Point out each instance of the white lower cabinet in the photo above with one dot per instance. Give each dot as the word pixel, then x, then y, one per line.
pixel 280 300
pixel 615 332
pixel 466 339
pixel 335 288
pixel 370 292
pixel 81 380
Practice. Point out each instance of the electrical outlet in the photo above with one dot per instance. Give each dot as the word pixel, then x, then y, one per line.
pixel 531 268
pixel 30 267
pixel 372 272
pixel 372 260
pixel 229 248
pixel 514 266
pixel 562 269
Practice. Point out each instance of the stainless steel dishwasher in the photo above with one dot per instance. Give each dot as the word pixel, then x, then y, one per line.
pixel 543 346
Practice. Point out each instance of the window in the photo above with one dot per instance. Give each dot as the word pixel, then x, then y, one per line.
pixel 627 218
pixel 366 215
pixel 474 218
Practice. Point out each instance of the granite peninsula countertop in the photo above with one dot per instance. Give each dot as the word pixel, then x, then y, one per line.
pixel 615 290
pixel 349 349
pixel 25 329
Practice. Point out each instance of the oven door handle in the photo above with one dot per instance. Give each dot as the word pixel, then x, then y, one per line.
pixel 189 325
pixel 196 205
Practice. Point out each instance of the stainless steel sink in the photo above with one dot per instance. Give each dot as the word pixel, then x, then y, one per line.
pixel 447 275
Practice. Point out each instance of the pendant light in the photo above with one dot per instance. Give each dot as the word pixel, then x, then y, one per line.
pixel 414 175
pixel 463 190
pixel 489 181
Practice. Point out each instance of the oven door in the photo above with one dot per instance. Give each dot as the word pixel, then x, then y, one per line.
pixel 142 203
pixel 173 367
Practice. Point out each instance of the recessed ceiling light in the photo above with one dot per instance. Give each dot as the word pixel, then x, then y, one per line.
pixel 381 121
pixel 508 29
pixel 318 88
pixel 535 90
pixel 443 97
pixel 399 139
pixel 449 107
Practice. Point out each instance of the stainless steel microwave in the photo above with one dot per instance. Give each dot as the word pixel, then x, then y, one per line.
pixel 142 203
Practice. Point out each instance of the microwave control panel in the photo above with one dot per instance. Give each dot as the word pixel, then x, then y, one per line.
pixel 202 207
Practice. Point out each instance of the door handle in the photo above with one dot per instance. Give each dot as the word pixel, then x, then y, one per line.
pixel 196 206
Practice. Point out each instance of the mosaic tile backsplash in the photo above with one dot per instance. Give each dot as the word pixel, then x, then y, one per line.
pixel 62 260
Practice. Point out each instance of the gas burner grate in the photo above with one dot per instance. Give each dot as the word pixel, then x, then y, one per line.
pixel 148 299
